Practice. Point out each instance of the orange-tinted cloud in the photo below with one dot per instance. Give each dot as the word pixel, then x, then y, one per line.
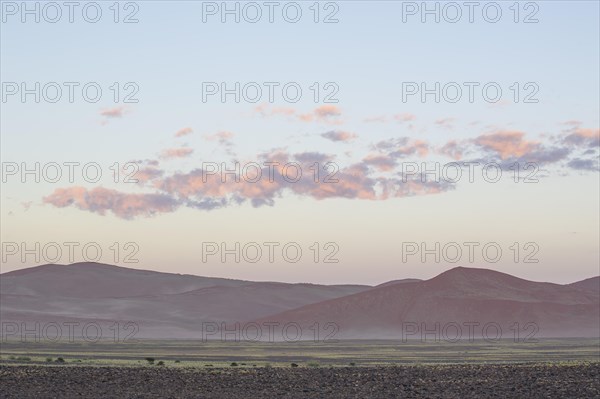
pixel 507 144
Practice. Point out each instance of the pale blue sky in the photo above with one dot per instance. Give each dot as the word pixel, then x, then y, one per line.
pixel 368 54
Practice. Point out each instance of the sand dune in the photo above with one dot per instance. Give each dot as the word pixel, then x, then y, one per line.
pixel 166 305
pixel 458 297
pixel 163 305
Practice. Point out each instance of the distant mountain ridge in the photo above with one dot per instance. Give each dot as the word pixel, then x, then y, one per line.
pixel 167 305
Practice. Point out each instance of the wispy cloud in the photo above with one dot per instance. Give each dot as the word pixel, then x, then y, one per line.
pixel 183 132
pixel 100 200
pixel 328 114
pixel 112 113
pixel 339 135
pixel 405 117
pixel 181 152
pixel 446 123
pixel 402 147
pixel 376 119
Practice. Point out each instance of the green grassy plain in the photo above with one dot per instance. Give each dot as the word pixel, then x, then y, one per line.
pixel 185 353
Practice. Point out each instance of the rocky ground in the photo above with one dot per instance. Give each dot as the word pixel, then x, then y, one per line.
pixel 440 381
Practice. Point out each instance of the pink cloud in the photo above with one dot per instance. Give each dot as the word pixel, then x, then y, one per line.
pixel 381 162
pixel 220 136
pixel 100 200
pixel 200 189
pixel 183 132
pixel 404 117
pixel 180 152
pixel 324 113
pixel 148 174
pixel 507 144
pixel 116 112
pixel 452 149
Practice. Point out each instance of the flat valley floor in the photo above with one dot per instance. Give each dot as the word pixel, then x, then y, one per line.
pixel 568 368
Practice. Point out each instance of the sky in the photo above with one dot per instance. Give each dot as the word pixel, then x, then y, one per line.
pixel 163 98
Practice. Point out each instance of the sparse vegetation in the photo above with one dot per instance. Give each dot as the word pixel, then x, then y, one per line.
pixel 313 364
pixel 48 359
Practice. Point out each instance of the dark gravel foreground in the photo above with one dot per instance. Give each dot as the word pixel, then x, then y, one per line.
pixel 440 381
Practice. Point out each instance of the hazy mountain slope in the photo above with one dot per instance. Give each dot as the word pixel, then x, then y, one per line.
pixel 165 304
pixel 459 296
pixel 590 284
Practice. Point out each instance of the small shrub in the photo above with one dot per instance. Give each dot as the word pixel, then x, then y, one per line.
pixel 294 365
pixel 234 364
pixel 150 360
pixel 160 363
pixel 177 361
pixel 208 365
pixel 313 364
pixel 60 360
pixel 48 359
pixel 352 364
pixel 11 357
